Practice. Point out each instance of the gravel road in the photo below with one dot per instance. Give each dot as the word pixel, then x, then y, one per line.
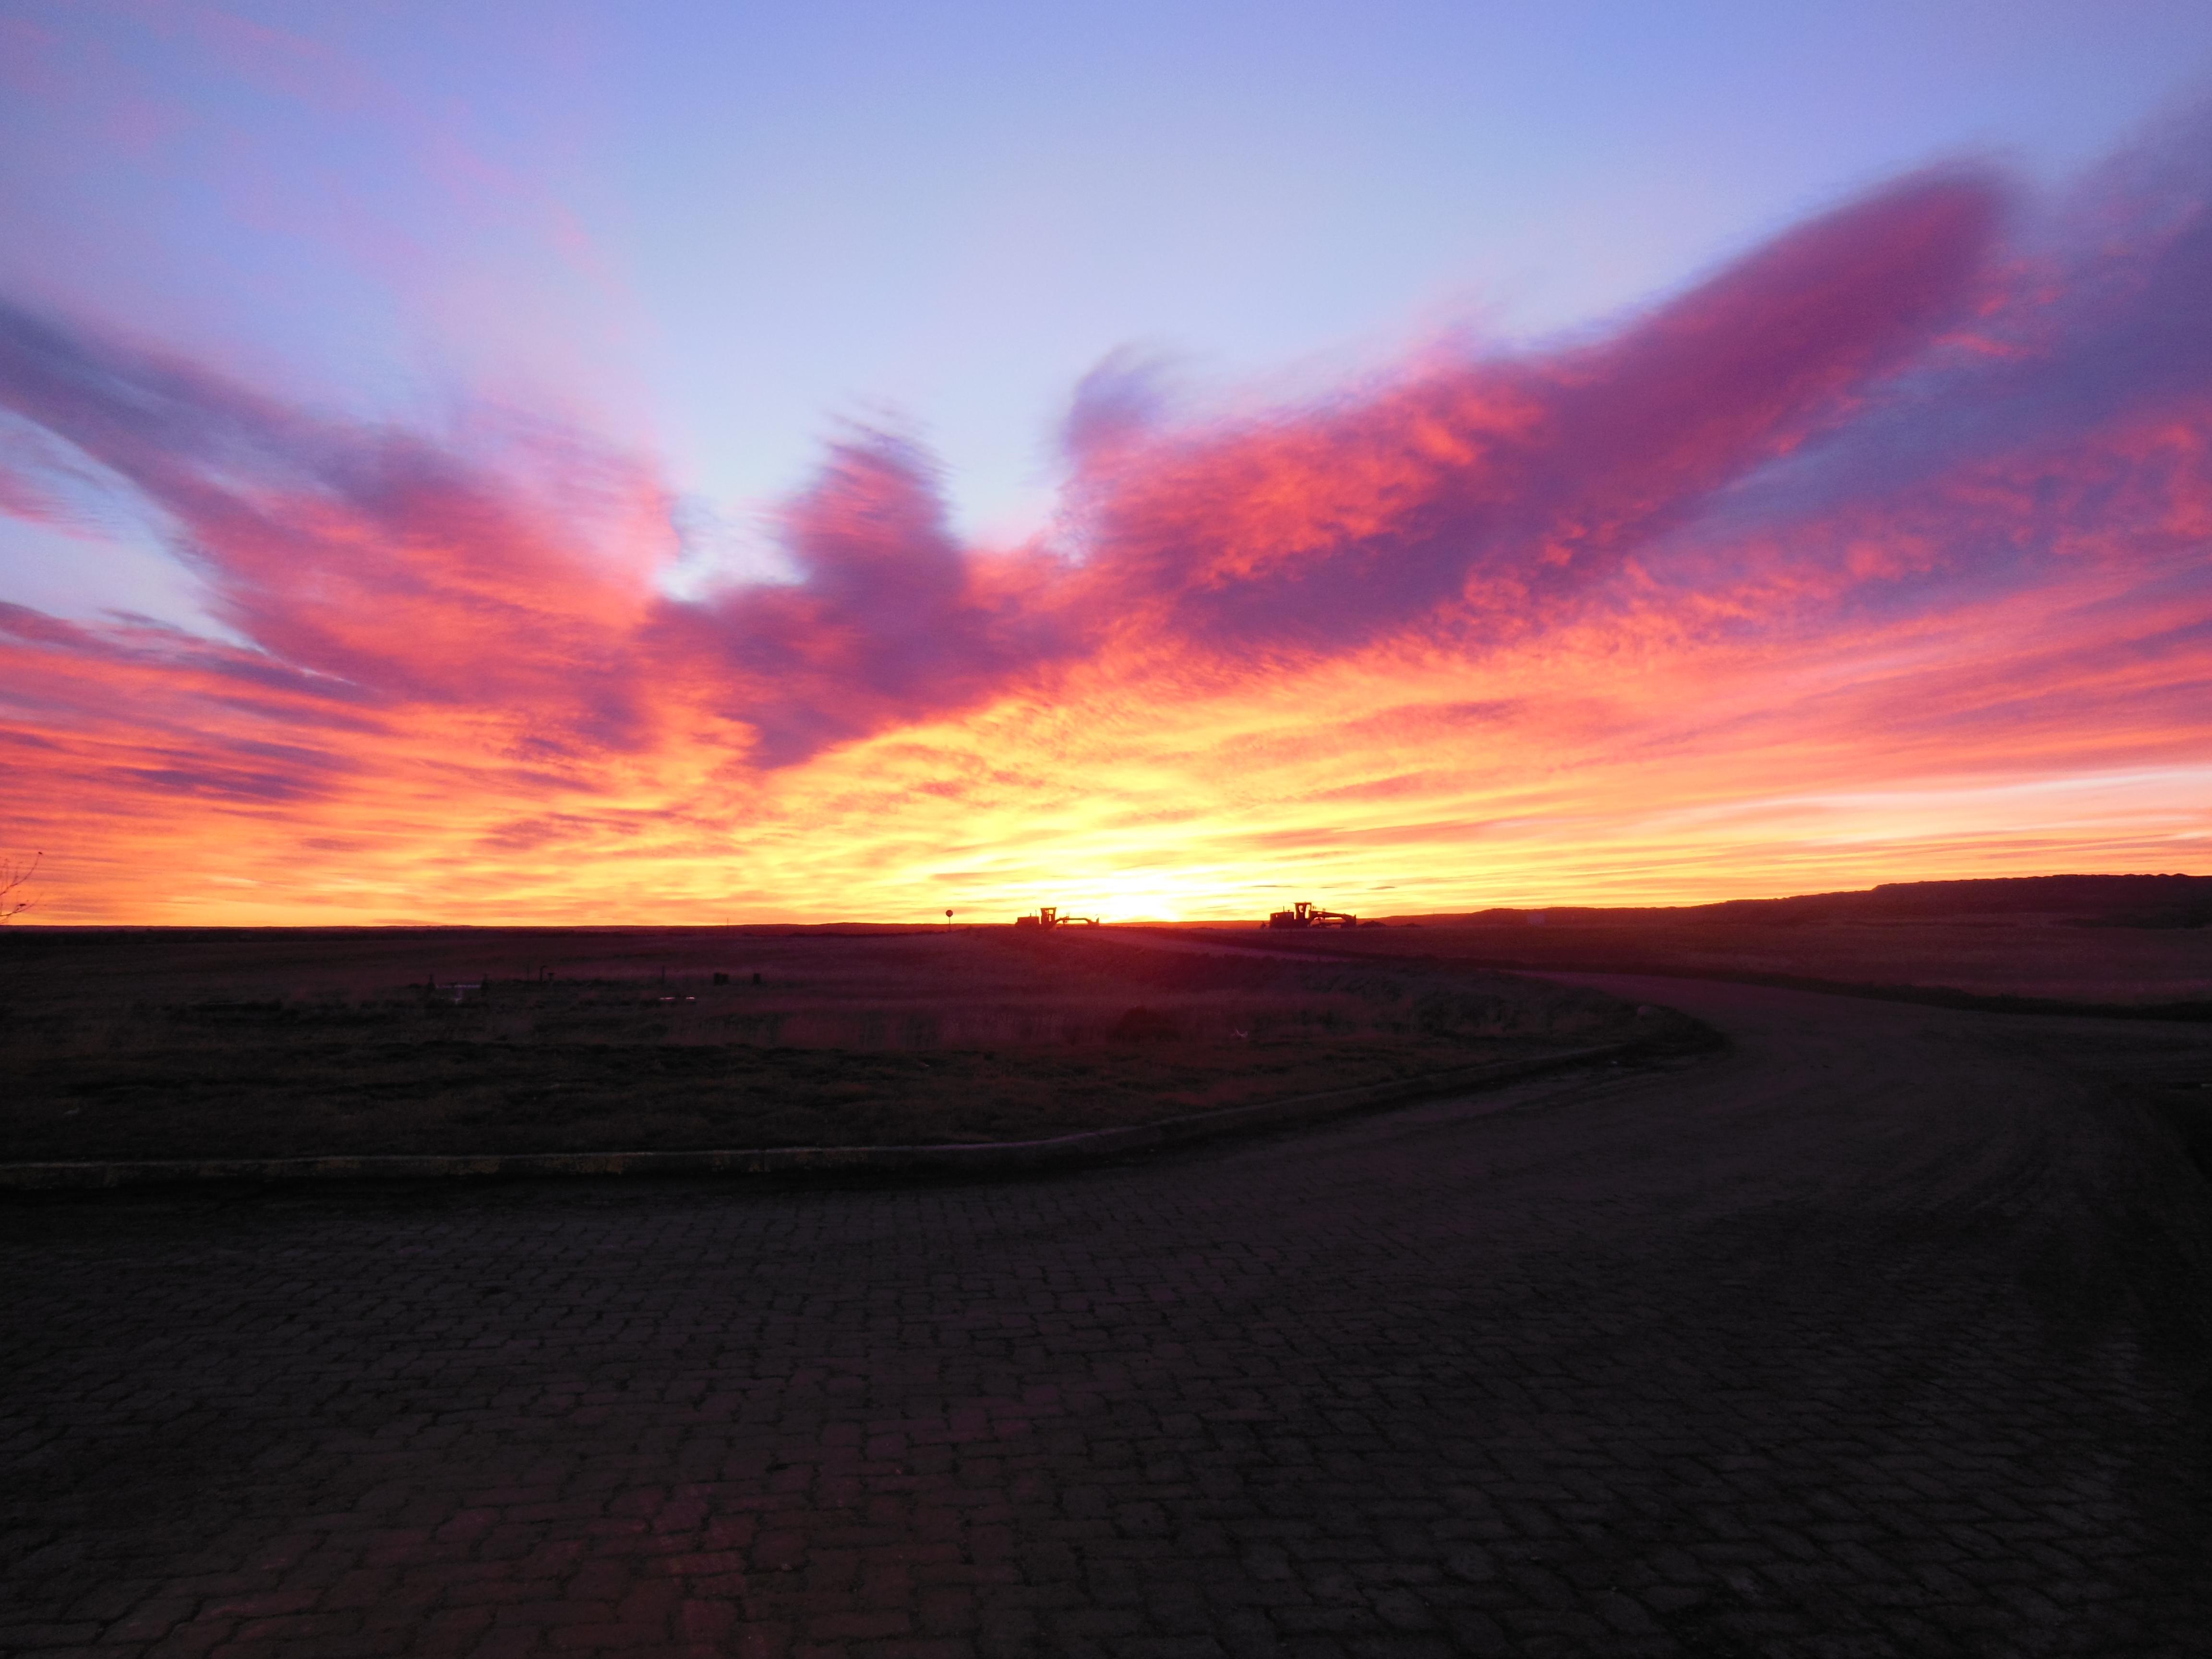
pixel 1884 1332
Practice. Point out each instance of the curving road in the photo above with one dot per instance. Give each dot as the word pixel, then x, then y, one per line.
pixel 1883 1333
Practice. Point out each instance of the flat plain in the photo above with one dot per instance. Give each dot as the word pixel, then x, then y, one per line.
pixel 2062 956
pixel 267 1043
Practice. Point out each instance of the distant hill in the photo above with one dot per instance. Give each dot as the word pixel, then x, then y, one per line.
pixel 2083 901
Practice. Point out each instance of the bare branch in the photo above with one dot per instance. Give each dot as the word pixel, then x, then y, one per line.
pixel 13 877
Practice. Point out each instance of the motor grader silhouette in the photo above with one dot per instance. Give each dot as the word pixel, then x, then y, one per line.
pixel 1049 916
pixel 1306 914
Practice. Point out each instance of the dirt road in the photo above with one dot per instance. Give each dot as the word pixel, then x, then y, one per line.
pixel 1884 1332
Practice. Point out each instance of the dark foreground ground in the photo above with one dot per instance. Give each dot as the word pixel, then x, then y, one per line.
pixel 184 1043
pixel 1883 1333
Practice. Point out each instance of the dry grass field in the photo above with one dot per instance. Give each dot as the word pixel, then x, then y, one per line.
pixel 165 1043
pixel 2060 956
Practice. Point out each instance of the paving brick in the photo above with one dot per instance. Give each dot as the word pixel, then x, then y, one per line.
pixel 1802 1352
pixel 39 1638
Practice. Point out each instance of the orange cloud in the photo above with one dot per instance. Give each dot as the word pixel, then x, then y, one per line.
pixel 1881 553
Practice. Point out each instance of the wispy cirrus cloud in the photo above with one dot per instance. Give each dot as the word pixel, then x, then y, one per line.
pixel 1907 492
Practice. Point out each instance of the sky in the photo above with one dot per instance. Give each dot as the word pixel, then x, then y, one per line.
pixel 675 462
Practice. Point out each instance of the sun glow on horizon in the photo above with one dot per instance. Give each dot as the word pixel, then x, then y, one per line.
pixel 1878 555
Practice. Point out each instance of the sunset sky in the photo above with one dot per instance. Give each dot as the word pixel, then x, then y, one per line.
pixel 677 462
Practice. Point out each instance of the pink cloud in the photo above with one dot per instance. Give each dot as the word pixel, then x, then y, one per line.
pixel 1499 488
pixel 1888 437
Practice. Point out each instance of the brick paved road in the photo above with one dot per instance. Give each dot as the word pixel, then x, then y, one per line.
pixel 1871 1337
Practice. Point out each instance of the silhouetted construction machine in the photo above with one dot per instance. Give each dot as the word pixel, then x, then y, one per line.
pixel 1049 916
pixel 1305 913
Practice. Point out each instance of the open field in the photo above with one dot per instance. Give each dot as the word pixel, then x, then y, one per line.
pixel 2075 953
pixel 151 1044
pixel 2022 957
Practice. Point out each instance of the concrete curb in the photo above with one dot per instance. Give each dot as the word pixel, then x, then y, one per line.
pixel 983 1157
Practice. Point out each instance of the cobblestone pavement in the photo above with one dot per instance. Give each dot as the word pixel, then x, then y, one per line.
pixel 1881 1333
